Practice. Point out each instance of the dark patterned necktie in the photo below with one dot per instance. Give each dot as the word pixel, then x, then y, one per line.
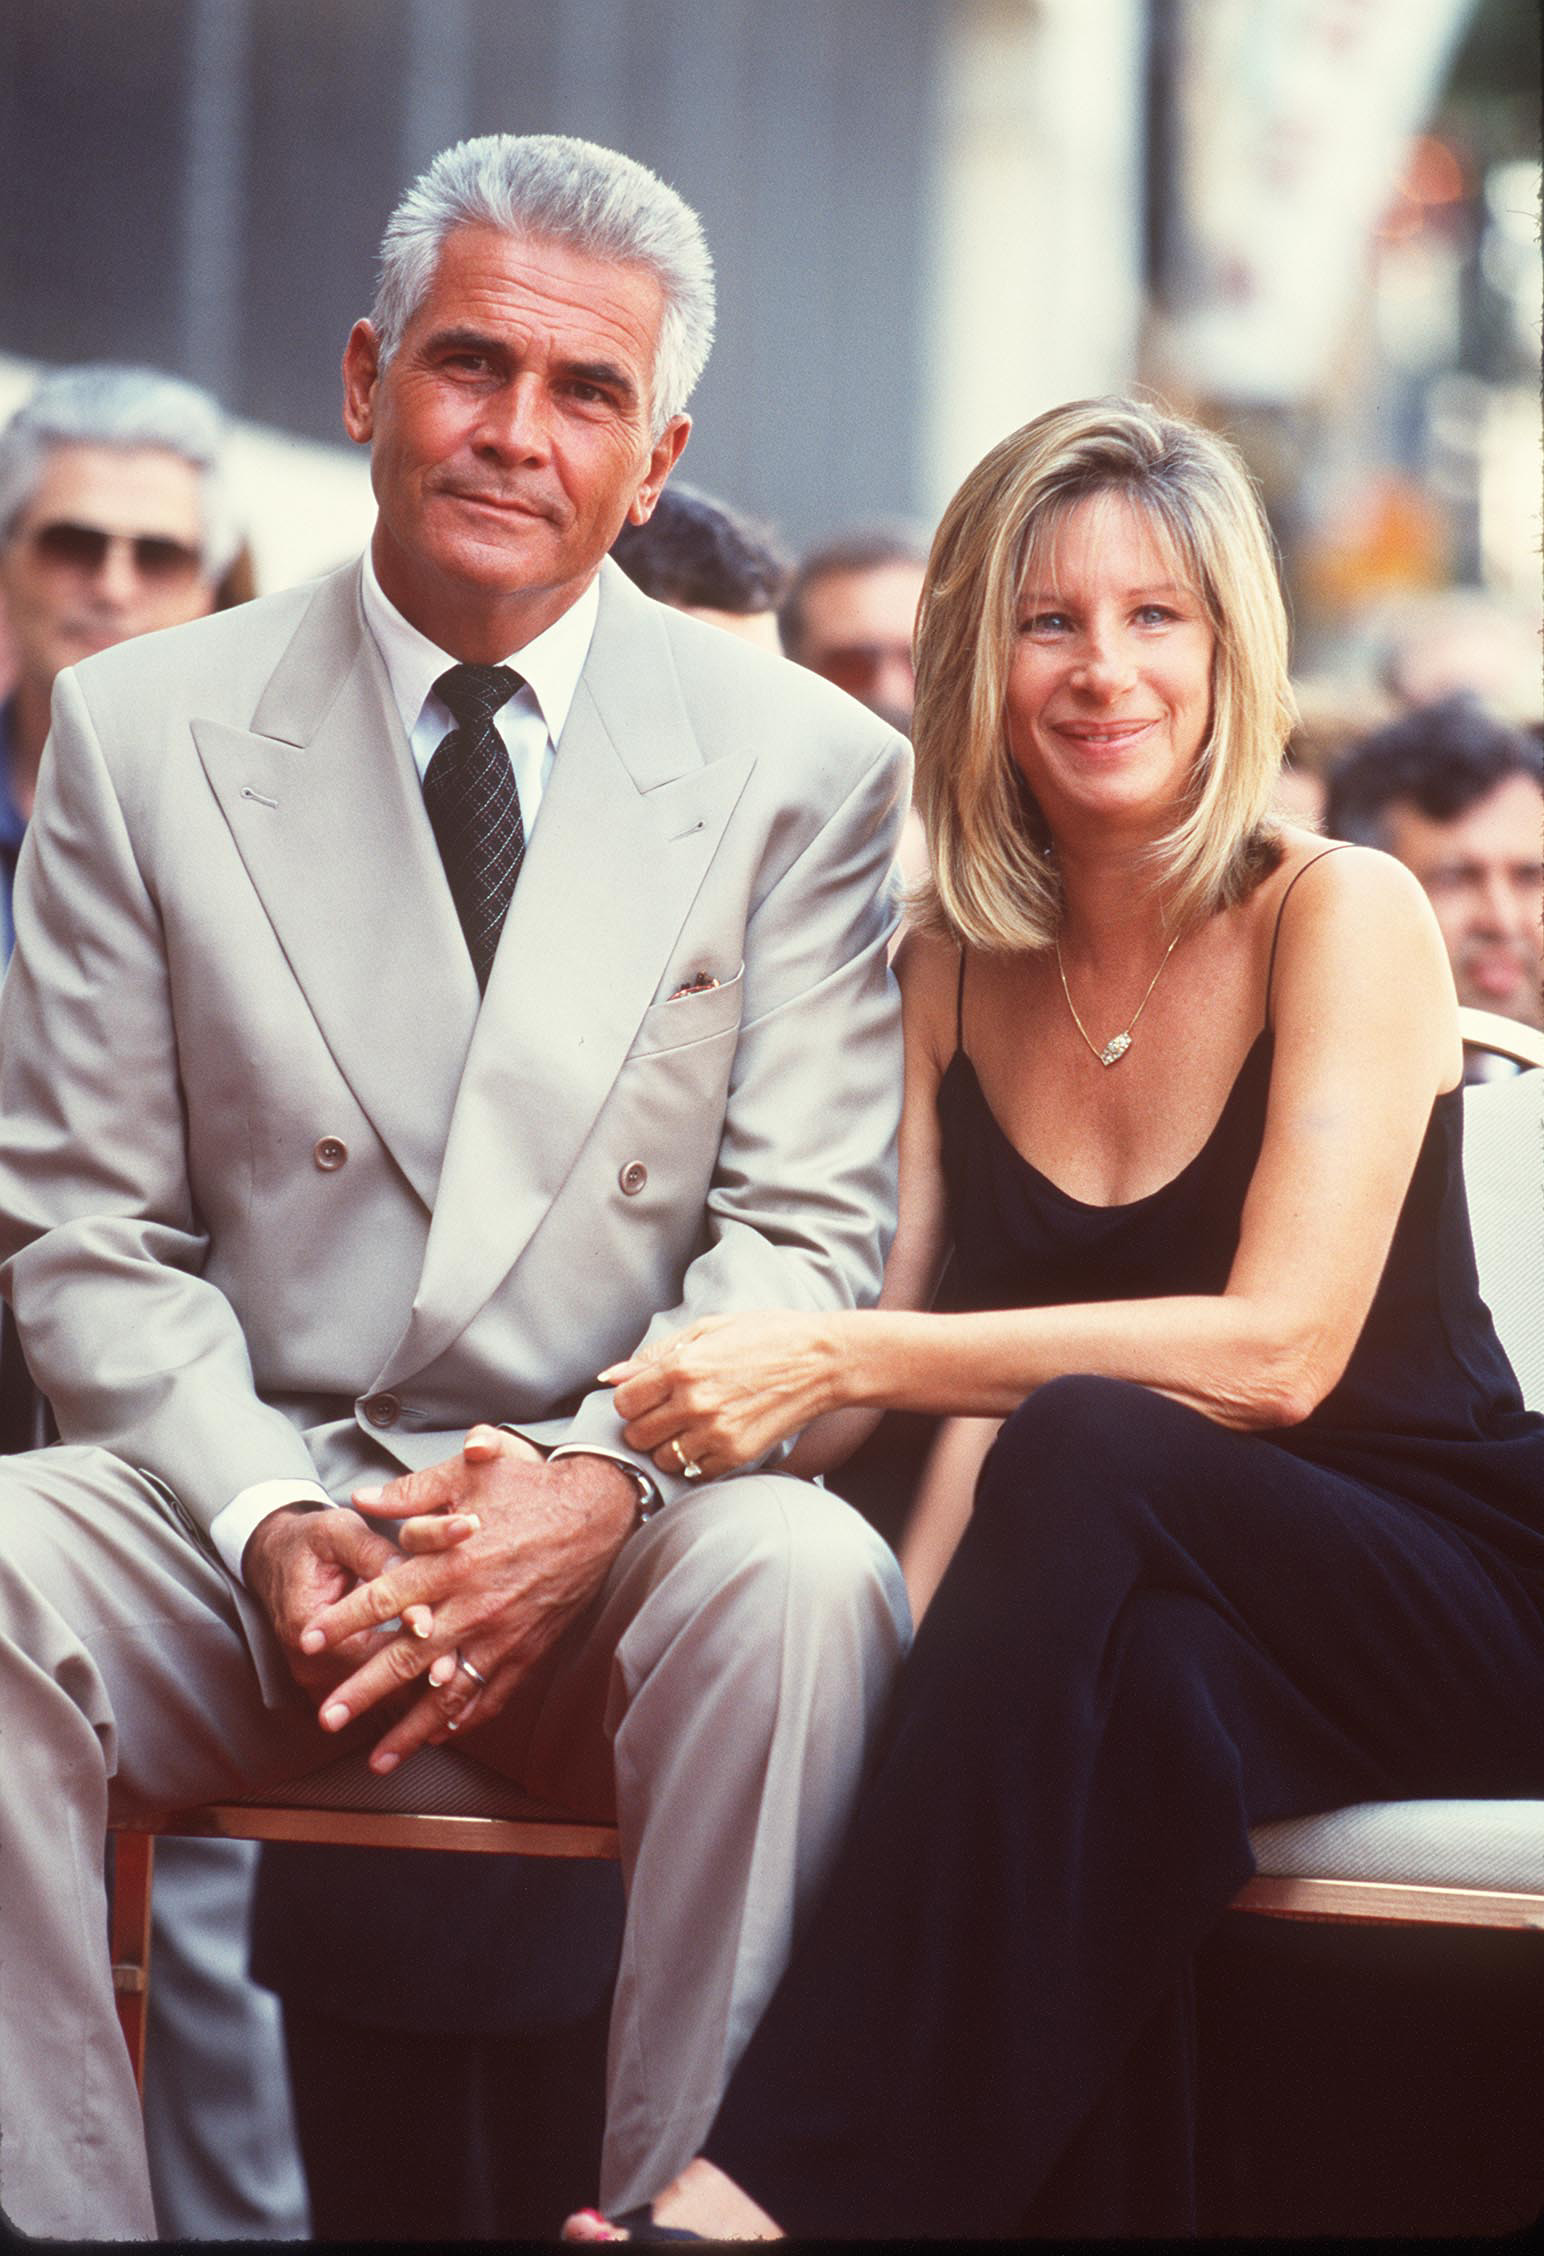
pixel 474 806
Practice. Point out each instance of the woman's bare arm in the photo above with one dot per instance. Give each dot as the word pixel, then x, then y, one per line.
pixel 1366 1036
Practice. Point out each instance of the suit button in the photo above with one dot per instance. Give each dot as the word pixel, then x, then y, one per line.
pixel 329 1152
pixel 381 1409
pixel 632 1178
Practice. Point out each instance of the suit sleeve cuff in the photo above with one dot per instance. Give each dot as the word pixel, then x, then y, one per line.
pixel 230 1530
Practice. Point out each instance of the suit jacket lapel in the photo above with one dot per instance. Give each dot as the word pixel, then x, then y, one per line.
pixel 628 826
pixel 324 803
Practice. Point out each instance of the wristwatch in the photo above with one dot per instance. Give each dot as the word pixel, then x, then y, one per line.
pixel 647 1488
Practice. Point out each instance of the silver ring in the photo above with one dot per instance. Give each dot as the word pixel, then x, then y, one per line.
pixel 475 1674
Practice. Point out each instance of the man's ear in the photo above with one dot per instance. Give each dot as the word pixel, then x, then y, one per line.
pixel 665 455
pixel 361 372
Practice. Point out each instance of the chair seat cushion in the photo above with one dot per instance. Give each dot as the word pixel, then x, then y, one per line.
pixel 431 1782
pixel 1426 1844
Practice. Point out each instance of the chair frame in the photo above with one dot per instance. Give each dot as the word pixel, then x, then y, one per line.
pixel 538 1830
pixel 1389 1903
pixel 1507 1037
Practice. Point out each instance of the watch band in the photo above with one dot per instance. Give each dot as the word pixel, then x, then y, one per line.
pixel 650 1500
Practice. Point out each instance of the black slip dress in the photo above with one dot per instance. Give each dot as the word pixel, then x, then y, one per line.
pixel 1155 1633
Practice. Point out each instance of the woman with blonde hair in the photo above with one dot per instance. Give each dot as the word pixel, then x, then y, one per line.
pixel 1263 1529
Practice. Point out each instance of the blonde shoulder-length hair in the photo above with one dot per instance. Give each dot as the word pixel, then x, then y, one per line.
pixel 992 881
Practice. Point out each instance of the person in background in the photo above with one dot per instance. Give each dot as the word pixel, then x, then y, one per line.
pixel 698 555
pixel 849 614
pixel 1457 796
pixel 116 518
pixel 482 1984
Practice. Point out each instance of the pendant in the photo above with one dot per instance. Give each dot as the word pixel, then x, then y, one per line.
pixel 1115 1049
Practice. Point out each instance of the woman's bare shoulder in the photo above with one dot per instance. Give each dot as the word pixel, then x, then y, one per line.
pixel 928 969
pixel 1359 943
pixel 1341 880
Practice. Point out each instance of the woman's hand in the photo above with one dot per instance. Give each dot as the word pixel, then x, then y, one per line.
pixel 721 1392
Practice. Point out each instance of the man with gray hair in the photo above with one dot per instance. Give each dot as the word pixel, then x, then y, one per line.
pixel 485 972
pixel 115 519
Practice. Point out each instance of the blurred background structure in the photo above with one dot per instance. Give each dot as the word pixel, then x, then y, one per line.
pixel 1313 221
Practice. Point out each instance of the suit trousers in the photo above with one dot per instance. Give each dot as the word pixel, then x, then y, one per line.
pixel 219 2119
pixel 1154 1635
pixel 717 1698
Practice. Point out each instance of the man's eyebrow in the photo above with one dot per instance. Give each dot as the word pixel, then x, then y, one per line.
pixel 604 373
pixel 460 339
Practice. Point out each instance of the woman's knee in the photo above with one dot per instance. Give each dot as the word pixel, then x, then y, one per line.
pixel 1086 1466
pixel 1075 1429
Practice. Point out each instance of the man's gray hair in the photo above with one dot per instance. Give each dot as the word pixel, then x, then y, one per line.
pixel 104 405
pixel 561 190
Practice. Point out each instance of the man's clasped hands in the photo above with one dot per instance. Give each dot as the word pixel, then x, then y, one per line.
pixel 497 1550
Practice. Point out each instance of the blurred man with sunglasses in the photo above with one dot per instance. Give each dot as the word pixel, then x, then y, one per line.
pixel 849 614
pixel 115 519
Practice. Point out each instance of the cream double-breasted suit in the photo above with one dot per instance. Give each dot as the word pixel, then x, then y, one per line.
pixel 281 1201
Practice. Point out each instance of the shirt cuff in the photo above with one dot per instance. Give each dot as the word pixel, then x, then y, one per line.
pixel 230 1530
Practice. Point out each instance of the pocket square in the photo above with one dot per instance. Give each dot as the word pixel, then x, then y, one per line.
pixel 698 984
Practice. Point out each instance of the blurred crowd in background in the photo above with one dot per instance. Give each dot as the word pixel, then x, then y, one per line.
pixel 1312 222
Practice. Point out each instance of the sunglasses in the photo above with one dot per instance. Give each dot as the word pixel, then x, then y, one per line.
pixel 856 666
pixel 69 547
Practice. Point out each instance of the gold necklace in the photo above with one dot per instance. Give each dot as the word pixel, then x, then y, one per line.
pixel 1118 1044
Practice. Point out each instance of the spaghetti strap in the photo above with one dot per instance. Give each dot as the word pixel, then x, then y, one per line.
pixel 1270 969
pixel 959 1006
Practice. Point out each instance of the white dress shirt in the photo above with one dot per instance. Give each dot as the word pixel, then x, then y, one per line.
pixel 532 721
pixel 530 724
